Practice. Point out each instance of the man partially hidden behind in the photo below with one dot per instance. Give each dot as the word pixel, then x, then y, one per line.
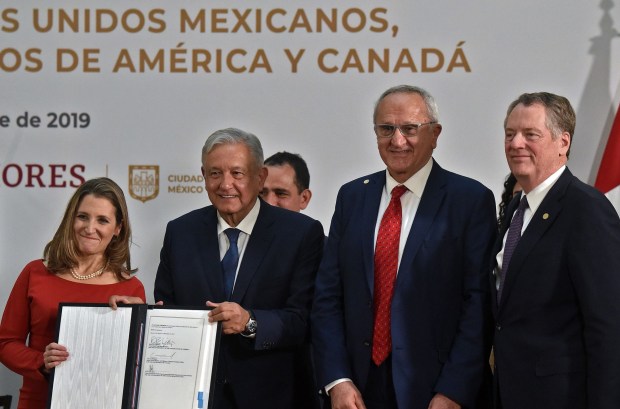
pixel 556 287
pixel 401 317
pixel 255 264
pixel 288 186
pixel 288 182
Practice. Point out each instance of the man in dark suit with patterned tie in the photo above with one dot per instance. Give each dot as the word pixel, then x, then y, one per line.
pixel 556 287
pixel 255 264
pixel 401 315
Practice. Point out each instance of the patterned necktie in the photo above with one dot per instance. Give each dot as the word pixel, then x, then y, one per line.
pixel 386 264
pixel 230 261
pixel 512 239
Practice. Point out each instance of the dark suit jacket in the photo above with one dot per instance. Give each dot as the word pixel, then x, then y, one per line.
pixel 440 308
pixel 275 280
pixel 557 337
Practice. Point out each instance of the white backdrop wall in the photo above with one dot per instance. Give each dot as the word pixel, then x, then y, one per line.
pixel 475 57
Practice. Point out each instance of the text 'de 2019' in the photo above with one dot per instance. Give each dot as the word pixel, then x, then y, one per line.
pixel 52 120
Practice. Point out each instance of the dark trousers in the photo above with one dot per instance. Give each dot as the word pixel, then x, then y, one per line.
pixel 223 397
pixel 379 392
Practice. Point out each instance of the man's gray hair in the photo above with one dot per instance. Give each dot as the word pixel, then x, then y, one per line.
pixel 234 135
pixel 429 101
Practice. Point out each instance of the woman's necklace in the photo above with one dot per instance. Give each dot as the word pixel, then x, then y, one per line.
pixel 88 276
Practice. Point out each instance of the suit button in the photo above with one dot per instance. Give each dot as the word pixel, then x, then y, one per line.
pixel 366 343
pixel 498 327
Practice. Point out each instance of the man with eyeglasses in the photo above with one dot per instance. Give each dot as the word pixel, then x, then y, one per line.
pixel 400 316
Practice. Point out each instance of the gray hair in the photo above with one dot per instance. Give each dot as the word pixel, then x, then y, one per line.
pixel 234 135
pixel 560 115
pixel 429 101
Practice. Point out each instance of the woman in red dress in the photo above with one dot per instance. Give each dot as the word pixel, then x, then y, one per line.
pixel 86 261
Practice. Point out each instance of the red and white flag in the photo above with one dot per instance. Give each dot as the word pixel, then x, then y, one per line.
pixel 608 177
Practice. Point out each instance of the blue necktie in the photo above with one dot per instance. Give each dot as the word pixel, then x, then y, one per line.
pixel 512 239
pixel 230 261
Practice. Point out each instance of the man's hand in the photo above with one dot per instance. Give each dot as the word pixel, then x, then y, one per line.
pixel 440 401
pixel 346 396
pixel 125 299
pixel 232 315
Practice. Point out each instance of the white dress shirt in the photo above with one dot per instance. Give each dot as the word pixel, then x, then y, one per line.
pixel 246 226
pixel 410 200
pixel 534 199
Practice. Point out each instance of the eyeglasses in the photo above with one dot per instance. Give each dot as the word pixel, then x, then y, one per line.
pixel 406 130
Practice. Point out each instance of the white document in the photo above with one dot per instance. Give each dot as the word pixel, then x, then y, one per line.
pixel 94 375
pixel 134 357
pixel 177 360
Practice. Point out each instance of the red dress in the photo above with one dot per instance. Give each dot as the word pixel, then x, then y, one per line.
pixel 31 313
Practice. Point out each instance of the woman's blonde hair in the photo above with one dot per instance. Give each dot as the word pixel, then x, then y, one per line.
pixel 62 252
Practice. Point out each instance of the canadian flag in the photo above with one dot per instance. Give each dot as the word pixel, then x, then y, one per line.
pixel 608 177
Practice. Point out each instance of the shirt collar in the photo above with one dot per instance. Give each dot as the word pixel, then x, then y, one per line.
pixel 246 225
pixel 415 183
pixel 536 195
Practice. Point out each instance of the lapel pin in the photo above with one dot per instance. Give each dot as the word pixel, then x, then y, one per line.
pixel 366 181
pixel 545 216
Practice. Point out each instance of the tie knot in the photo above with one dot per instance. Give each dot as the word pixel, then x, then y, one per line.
pixel 233 234
pixel 523 204
pixel 398 191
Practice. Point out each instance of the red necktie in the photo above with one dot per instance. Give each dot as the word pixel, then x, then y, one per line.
pixel 386 265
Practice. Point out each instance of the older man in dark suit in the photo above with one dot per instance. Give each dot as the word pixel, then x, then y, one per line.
pixel 401 316
pixel 557 281
pixel 255 264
